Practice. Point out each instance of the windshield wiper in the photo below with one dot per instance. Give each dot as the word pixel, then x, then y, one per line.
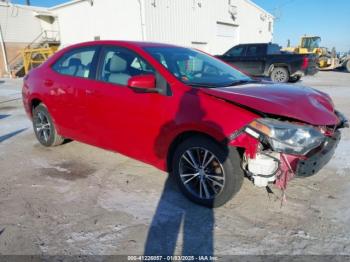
pixel 241 82
pixel 233 83
pixel 202 85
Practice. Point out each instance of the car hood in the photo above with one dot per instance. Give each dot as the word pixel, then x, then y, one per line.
pixel 297 102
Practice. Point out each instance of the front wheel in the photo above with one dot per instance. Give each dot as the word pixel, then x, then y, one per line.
pixel 280 75
pixel 207 173
pixel 44 127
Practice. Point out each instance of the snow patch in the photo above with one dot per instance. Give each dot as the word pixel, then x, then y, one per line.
pixel 341 160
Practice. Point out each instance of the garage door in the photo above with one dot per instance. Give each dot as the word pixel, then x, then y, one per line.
pixel 227 35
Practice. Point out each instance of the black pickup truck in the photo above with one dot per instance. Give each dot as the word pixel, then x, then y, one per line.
pixel 268 60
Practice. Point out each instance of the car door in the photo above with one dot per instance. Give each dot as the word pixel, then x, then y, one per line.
pixel 234 57
pixel 68 81
pixel 123 119
pixel 254 60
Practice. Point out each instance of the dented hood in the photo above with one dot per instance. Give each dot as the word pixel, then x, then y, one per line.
pixel 297 102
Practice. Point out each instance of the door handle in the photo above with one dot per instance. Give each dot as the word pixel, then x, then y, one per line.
pixel 48 82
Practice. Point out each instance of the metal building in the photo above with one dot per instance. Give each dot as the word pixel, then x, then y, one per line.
pixel 22 28
pixel 210 25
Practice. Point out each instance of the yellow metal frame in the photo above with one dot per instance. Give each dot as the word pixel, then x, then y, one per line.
pixel 33 57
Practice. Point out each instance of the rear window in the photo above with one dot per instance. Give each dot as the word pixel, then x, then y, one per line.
pixel 273 50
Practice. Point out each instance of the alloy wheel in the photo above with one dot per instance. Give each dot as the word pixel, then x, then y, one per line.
pixel 42 127
pixel 201 173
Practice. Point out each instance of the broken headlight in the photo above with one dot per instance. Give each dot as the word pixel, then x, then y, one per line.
pixel 285 137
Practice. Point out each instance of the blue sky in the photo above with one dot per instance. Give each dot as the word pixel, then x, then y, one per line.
pixel 46 3
pixel 294 18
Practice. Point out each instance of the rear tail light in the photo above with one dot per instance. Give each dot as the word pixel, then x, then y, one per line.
pixel 305 63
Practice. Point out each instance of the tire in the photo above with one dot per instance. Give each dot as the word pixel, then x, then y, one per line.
pixel 347 66
pixel 280 75
pixel 44 127
pixel 323 61
pixel 224 166
pixel 294 79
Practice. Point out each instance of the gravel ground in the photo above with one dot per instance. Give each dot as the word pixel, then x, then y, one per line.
pixel 78 199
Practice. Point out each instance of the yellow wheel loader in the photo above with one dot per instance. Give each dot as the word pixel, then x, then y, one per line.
pixel 327 60
pixel 308 45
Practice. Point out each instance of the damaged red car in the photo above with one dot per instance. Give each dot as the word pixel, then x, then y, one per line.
pixel 184 112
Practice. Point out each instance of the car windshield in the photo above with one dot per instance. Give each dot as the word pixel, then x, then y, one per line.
pixel 197 69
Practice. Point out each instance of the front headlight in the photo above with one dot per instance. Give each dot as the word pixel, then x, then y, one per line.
pixel 285 137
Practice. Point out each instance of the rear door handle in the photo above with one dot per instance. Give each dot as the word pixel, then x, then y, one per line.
pixel 48 82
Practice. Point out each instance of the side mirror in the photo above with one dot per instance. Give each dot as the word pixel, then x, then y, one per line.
pixel 146 83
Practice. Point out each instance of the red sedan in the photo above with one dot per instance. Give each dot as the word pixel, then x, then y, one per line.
pixel 184 112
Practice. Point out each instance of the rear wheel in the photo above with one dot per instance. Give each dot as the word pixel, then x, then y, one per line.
pixel 44 127
pixel 347 66
pixel 206 173
pixel 294 79
pixel 280 75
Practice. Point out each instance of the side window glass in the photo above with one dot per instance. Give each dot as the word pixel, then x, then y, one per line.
pixel 189 65
pixel 119 64
pixel 273 50
pixel 141 65
pixel 252 51
pixel 161 59
pixel 76 63
pixel 236 51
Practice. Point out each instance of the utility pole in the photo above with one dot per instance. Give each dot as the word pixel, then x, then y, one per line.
pixel 28 2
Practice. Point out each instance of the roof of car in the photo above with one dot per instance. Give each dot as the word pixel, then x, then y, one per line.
pixel 122 42
pixel 269 43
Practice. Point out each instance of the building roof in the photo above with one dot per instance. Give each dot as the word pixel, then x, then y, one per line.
pixel 72 2
pixel 43 10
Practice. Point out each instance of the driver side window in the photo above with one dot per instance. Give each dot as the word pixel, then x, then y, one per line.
pixel 236 51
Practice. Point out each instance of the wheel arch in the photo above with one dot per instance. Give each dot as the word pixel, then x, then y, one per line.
pixel 275 65
pixel 182 137
pixel 34 102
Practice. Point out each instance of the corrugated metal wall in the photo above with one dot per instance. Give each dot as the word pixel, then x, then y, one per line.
pixel 106 19
pixel 180 21
pixel 200 23
pixel 204 24
pixel 18 24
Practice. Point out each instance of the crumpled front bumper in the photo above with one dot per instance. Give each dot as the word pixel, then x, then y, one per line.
pixel 260 160
pixel 317 160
